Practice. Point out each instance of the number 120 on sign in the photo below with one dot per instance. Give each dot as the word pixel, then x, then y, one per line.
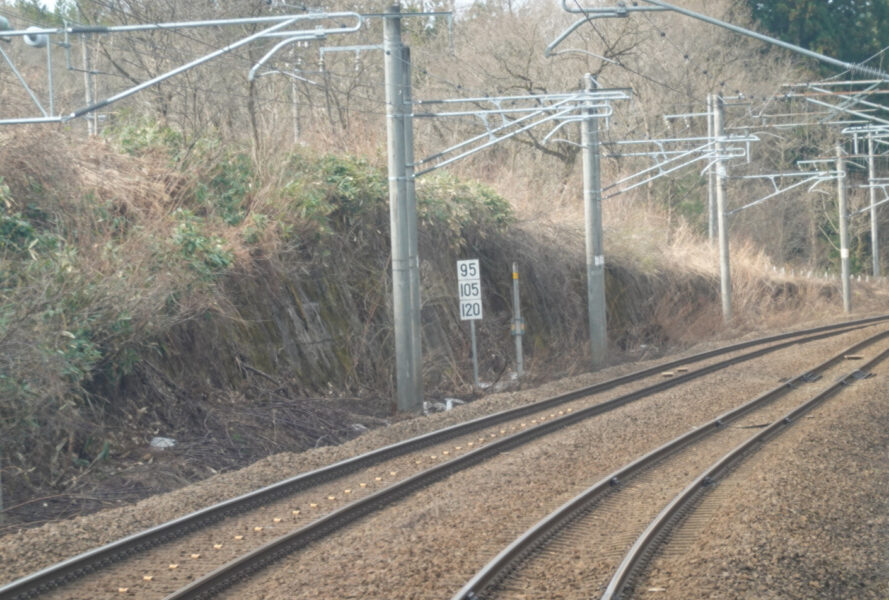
pixel 470 310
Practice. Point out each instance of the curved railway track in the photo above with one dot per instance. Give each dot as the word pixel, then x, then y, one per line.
pixel 681 506
pixel 574 548
pixel 70 570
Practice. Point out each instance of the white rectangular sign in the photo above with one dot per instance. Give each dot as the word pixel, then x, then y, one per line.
pixel 470 290
pixel 469 284
pixel 467 270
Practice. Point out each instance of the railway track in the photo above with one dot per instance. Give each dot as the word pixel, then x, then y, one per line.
pixel 470 444
pixel 574 550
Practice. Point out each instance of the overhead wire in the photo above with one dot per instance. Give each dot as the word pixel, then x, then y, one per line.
pixel 370 93
pixel 369 88
pixel 621 64
pixel 328 73
pixel 237 57
pixel 878 54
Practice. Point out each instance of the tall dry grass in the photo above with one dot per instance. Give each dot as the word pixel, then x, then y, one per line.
pixel 91 277
pixel 139 259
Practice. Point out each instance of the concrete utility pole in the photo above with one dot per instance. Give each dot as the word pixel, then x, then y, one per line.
pixel 725 270
pixel 592 208
pixel 874 227
pixel 412 246
pixel 844 230
pixel 401 205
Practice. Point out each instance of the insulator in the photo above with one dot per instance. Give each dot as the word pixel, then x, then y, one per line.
pixel 36 40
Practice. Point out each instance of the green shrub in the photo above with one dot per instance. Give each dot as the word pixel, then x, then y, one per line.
pixel 206 254
pixel 459 211
pixel 138 136
pixel 334 194
pixel 224 190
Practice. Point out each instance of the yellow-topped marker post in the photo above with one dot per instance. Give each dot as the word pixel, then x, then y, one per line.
pixel 518 324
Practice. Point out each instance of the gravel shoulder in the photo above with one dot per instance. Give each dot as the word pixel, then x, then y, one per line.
pixel 806 518
pixel 31 548
pixel 428 546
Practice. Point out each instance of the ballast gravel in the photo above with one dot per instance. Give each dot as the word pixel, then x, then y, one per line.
pixel 31 549
pixel 807 517
pixel 429 544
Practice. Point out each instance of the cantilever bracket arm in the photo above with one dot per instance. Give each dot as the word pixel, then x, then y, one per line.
pixel 297 38
pixel 138 88
pixel 275 27
pixel 814 178
pixel 548 52
pixel 615 12
pixel 621 10
pixel 870 206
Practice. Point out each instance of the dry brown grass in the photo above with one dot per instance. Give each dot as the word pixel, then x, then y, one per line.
pixel 98 283
pixel 647 242
pixel 137 293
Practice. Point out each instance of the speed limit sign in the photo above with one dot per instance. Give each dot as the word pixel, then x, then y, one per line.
pixel 469 284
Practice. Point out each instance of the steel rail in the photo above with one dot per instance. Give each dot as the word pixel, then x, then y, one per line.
pixel 70 569
pixel 511 556
pixel 685 501
pixel 244 566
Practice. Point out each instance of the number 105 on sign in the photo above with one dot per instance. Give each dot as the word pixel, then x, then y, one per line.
pixel 470 290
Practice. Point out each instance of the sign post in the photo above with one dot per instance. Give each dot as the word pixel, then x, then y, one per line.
pixel 469 284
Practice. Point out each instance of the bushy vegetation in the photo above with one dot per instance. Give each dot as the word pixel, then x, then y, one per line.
pixel 219 228
pixel 94 281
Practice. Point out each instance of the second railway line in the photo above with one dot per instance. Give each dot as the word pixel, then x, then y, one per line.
pixel 429 545
pixel 609 435
pixel 573 552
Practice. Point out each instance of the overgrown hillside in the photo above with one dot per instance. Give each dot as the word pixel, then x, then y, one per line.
pixel 152 289
pixel 214 265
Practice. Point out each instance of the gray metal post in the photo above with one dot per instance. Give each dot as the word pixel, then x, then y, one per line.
pixel 412 250
pixel 294 100
pixel 294 110
pixel 711 178
pixel 474 354
pixel 725 271
pixel 91 121
pixel 844 230
pixel 874 226
pixel 518 326
pixel 595 259
pixel 52 92
pixel 406 396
